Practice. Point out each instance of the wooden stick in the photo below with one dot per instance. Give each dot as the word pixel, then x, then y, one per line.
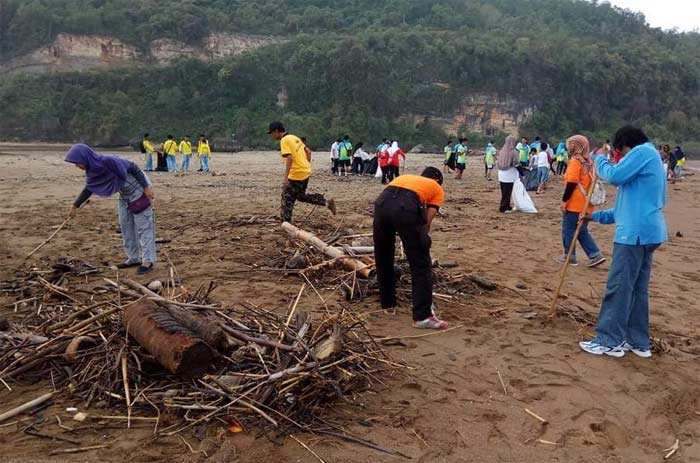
pixel 503 385
pixel 26 406
pixel 46 241
pixel 555 298
pixel 331 251
pixel 127 393
pixel 536 416
pixel 78 449
pixel 307 448
pixel 390 338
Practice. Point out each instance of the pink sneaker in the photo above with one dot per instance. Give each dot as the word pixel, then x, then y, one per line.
pixel 431 323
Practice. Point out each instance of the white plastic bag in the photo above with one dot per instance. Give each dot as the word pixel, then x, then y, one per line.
pixel 379 172
pixel 522 200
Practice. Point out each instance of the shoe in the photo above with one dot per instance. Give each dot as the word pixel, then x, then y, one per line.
pixel 595 261
pixel 124 265
pixel 509 211
pixel 643 353
pixel 592 347
pixel 331 205
pixel 143 269
pixel 390 310
pixel 562 260
pixel 431 323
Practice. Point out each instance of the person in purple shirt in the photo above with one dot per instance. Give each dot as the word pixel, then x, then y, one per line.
pixel 640 228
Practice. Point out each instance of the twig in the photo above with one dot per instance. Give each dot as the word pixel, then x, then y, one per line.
pixel 78 449
pixel 536 416
pixel 418 335
pixel 127 393
pixel 503 385
pixel 672 450
pixel 45 242
pixel 307 448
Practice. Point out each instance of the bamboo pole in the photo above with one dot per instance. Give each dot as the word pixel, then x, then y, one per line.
pixel 570 252
pixel 360 267
pixel 26 406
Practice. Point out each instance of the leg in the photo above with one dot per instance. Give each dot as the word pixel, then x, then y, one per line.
pixel 206 163
pixel 638 320
pixel 288 200
pixel 617 304
pixel 587 242
pixel 384 248
pixel 569 223
pixel 506 193
pixel 129 235
pixel 416 244
pixel 148 166
pixel 146 231
pixel 304 197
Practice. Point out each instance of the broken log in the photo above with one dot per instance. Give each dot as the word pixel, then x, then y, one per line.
pixel 176 347
pixel 362 269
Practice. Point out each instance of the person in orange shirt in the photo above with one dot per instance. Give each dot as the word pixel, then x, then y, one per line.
pixel 407 207
pixel 578 179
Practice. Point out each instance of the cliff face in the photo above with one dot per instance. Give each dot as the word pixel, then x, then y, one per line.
pixel 78 53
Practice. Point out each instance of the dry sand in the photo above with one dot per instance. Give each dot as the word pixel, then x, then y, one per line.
pixel 451 407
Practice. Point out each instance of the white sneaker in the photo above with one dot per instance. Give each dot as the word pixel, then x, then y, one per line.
pixel 643 353
pixel 594 348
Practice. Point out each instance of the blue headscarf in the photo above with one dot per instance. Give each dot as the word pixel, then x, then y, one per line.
pixel 104 175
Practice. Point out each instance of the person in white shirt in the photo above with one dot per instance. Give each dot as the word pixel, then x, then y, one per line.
pixel 542 167
pixel 356 168
pixel 335 154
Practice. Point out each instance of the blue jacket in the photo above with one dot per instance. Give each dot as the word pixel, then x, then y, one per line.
pixel 641 196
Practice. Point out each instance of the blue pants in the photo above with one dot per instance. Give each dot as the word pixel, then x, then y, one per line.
pixel 624 315
pixel 543 174
pixel 204 163
pixel 148 166
pixel 186 162
pixel 138 234
pixel 172 162
pixel 585 239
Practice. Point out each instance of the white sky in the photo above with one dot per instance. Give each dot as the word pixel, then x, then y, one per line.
pixel 667 14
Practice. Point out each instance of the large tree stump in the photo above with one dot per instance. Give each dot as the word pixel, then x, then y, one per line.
pixel 175 345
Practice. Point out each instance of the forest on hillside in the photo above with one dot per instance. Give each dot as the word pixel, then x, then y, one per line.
pixel 354 66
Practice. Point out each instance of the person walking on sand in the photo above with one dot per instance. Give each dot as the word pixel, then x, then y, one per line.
pixel 507 162
pixel 489 160
pixel 578 179
pixel 186 149
pixel 107 175
pixel 449 162
pixel 170 150
pixel 395 153
pixel 640 228
pixel 344 154
pixel 407 207
pixel 296 173
pixel 149 150
pixel 462 150
pixel 542 167
pixel 204 153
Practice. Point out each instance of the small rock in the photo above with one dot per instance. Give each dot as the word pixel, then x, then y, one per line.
pixel 156 286
pixel 679 234
pixel 520 285
pixel 4 323
pixel 80 417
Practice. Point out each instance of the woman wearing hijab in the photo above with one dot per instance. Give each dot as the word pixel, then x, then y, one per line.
pixel 507 162
pixel 394 162
pixel 107 175
pixel 578 180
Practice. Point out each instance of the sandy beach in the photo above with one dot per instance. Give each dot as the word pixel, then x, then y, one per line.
pixel 451 406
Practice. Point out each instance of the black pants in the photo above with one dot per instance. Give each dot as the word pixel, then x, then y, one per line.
pixel 334 166
pixel 561 168
pixel 356 166
pixel 296 191
pixel 506 193
pixel 386 172
pixel 398 210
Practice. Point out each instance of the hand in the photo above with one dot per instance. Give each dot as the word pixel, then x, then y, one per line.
pixel 585 217
pixel 285 183
pixel 563 207
pixel 148 192
pixel 71 212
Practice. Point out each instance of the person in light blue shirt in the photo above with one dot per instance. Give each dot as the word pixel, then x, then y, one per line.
pixel 640 228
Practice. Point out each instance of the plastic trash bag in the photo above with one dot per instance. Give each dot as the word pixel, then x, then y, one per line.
pixel 378 174
pixel 522 200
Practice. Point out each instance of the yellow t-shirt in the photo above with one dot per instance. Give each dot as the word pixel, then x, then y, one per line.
pixel 148 146
pixel 291 145
pixel 185 147
pixel 203 148
pixel 170 147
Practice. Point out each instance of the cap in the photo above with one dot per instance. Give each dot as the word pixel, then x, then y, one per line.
pixel 275 126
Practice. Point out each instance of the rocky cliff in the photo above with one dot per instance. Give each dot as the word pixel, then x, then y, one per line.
pixel 77 53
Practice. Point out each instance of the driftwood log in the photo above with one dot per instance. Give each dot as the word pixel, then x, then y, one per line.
pixel 175 345
pixel 362 269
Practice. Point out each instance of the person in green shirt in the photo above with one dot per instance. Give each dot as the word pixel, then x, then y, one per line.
pixel 462 150
pixel 524 152
pixel 489 160
pixel 449 158
pixel 344 155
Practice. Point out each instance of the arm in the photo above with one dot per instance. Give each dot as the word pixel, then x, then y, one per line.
pixel 287 168
pixel 621 173
pixel 605 217
pixel 430 213
pixel 308 153
pixel 82 197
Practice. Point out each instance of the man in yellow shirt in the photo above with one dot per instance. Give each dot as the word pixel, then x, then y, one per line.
pixel 297 171
pixel 148 149
pixel 186 149
pixel 204 153
pixel 170 150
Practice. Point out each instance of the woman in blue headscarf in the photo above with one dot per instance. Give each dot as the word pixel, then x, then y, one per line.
pixel 107 175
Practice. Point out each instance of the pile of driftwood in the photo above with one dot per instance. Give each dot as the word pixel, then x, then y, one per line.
pixel 159 352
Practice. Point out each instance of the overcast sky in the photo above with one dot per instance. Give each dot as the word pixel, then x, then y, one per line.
pixel 667 14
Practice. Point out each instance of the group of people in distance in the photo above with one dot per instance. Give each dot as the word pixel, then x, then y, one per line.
pixel 166 154
pixel 410 203
pixel 348 160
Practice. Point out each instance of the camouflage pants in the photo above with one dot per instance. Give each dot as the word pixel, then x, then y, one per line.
pixel 296 191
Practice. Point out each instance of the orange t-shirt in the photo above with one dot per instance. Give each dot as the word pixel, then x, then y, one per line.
pixel 428 190
pixel 574 174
